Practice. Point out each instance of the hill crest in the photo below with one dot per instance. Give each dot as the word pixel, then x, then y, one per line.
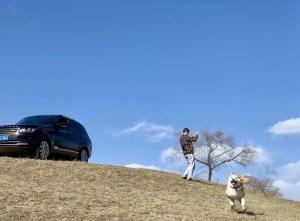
pixel 58 190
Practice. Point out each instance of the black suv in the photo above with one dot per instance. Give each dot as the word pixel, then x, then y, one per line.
pixel 45 136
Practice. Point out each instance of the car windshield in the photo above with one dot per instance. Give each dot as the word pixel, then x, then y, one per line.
pixel 38 120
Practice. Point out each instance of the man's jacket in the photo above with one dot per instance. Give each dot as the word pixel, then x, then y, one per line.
pixel 187 144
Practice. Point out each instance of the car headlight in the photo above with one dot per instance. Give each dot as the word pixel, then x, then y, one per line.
pixel 27 130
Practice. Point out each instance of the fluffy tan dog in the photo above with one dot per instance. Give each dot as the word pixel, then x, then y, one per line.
pixel 235 189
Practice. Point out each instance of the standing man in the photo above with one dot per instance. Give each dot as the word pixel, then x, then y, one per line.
pixel 188 151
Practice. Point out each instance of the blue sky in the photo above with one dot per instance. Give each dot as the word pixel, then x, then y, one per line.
pixel 133 72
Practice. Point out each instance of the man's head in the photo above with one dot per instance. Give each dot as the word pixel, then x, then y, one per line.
pixel 186 131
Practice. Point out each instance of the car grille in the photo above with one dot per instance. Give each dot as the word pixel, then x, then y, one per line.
pixel 12 130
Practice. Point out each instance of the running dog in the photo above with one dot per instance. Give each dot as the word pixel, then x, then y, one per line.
pixel 235 189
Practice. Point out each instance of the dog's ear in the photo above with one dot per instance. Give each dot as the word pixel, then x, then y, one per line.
pixel 246 179
pixel 235 175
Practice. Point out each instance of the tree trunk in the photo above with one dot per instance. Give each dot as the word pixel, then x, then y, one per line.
pixel 209 174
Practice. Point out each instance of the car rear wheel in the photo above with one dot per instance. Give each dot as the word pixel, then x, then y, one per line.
pixel 84 155
pixel 43 150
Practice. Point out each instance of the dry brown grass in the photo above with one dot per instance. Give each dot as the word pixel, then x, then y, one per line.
pixel 47 190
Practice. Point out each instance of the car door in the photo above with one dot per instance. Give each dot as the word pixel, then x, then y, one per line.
pixel 75 136
pixel 65 141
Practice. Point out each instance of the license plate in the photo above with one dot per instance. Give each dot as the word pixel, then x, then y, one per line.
pixel 3 138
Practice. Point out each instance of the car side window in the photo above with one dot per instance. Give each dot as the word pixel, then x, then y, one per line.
pixel 63 121
pixel 75 127
pixel 81 130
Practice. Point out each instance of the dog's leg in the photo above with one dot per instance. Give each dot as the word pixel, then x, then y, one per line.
pixel 231 202
pixel 243 203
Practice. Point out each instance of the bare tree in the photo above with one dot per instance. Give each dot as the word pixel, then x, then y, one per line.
pixel 264 183
pixel 216 149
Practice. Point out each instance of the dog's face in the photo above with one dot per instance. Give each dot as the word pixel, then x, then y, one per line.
pixel 236 180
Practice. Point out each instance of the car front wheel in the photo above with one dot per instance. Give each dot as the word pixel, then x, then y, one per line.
pixel 43 150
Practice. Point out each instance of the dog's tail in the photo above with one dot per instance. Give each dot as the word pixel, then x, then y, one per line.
pixel 246 179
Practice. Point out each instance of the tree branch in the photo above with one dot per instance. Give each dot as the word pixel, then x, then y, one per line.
pixel 200 161
pixel 228 160
pixel 226 151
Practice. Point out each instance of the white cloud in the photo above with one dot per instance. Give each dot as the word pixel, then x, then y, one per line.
pixel 169 154
pixel 290 172
pixel 172 158
pixel 289 180
pixel 287 127
pixel 154 132
pixel 262 157
pixel 139 166
pixel 288 189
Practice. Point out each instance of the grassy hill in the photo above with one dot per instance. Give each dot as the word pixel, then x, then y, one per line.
pixel 47 190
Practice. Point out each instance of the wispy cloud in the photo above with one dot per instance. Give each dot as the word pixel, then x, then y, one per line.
pixel 290 172
pixel 287 127
pixel 289 180
pixel 153 132
pixel 262 157
pixel 288 189
pixel 140 166
pixel 172 158
pixel 12 8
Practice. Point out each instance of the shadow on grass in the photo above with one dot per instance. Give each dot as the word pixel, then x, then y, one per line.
pixel 250 213
pixel 204 182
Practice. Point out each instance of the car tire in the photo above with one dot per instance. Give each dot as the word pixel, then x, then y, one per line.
pixel 83 156
pixel 42 150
